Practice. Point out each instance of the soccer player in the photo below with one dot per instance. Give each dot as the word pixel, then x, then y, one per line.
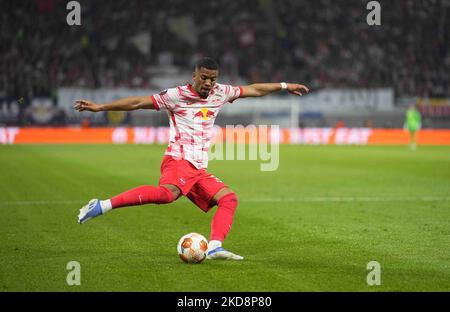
pixel 413 122
pixel 192 110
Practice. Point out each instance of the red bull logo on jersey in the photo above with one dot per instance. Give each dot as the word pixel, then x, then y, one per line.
pixel 204 113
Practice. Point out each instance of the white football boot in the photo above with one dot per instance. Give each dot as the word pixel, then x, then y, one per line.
pixel 89 211
pixel 221 254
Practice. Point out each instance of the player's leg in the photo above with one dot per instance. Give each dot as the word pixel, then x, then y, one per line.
pixel 169 189
pixel 412 139
pixel 142 195
pixel 227 202
pixel 206 193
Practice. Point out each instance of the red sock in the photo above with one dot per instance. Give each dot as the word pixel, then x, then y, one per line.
pixel 142 195
pixel 223 219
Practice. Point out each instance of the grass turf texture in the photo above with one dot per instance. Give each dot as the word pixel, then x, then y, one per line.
pixel 312 225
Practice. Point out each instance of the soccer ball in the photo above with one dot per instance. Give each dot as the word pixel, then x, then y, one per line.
pixel 192 248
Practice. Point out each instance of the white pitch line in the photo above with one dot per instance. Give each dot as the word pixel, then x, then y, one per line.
pixel 259 200
pixel 347 199
pixel 42 202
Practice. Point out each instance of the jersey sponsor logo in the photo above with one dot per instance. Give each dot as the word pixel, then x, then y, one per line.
pixel 204 113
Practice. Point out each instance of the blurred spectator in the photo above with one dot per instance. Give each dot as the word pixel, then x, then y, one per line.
pixel 85 123
pixel 368 123
pixel 339 124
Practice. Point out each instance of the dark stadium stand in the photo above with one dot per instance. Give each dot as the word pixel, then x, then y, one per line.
pixel 324 43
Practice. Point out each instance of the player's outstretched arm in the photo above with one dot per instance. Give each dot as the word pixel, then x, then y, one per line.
pixel 262 89
pixel 125 104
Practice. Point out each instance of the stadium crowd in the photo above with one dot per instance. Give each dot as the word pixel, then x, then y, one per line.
pixel 322 43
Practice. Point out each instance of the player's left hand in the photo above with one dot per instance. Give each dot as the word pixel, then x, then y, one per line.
pixel 297 89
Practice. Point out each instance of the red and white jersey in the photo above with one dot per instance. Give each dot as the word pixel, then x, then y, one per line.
pixel 192 119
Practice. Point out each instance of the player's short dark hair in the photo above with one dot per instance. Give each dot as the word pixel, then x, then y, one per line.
pixel 208 63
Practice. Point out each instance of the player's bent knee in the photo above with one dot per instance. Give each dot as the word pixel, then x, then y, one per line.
pixel 222 192
pixel 173 192
pixel 228 199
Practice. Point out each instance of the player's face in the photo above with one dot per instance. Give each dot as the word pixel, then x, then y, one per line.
pixel 204 81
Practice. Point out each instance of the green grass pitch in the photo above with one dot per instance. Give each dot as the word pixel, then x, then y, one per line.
pixel 311 225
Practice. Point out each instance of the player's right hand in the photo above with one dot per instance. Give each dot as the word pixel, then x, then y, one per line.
pixel 83 105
